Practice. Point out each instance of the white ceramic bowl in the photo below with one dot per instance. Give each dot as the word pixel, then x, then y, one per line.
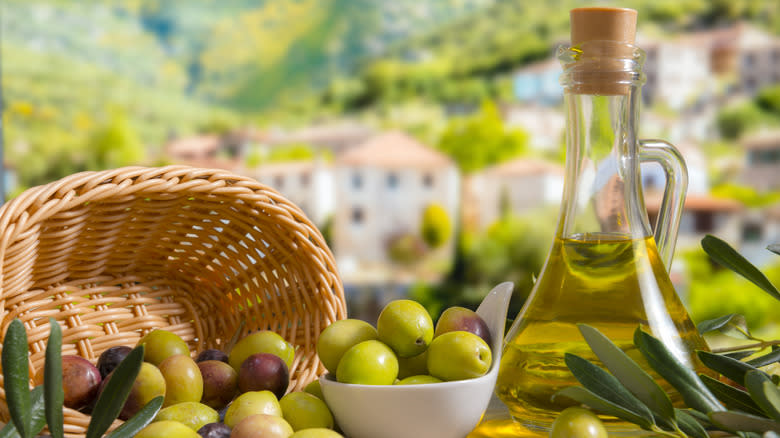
pixel 438 410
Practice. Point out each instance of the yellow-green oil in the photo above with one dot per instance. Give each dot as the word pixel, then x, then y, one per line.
pixel 611 282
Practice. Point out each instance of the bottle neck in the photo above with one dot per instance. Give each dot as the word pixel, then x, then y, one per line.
pixel 602 189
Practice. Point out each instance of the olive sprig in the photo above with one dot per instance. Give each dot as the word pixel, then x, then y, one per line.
pixel 747 409
pixel 31 410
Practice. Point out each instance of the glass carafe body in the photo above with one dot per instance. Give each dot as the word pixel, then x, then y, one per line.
pixel 604 268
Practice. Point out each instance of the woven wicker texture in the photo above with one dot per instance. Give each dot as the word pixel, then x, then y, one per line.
pixel 112 255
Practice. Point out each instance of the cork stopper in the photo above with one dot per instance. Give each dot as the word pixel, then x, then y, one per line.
pixel 602 24
pixel 607 34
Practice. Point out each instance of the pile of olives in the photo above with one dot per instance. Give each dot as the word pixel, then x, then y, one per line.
pixel 216 395
pixel 406 348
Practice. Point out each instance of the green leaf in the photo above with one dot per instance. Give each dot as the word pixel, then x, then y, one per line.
pixel 38 416
pixel 765 360
pixel 634 378
pixel 139 420
pixel 603 406
pixel 731 368
pixel 606 386
pixel 764 393
pixel 725 255
pixel 739 355
pixel 738 421
pixel 16 374
pixel 54 395
pixel 111 400
pixel 733 325
pixel 684 379
pixel 689 425
pixel 732 397
pixel 775 248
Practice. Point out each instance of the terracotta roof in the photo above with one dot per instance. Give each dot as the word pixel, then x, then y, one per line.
pixel 762 140
pixel 694 202
pixel 192 146
pixel 394 150
pixel 525 166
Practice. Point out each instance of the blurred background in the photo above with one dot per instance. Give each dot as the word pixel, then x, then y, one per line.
pixel 423 137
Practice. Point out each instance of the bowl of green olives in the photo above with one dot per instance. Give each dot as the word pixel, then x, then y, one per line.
pixel 445 402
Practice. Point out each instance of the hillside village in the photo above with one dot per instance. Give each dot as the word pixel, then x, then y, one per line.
pixel 369 186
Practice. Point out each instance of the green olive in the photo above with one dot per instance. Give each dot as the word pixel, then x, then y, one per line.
pixel 577 423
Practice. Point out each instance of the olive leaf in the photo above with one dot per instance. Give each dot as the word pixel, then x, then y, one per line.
pixel 139 420
pixel 732 397
pixel 16 374
pixel 634 378
pixel 54 394
pixel 725 255
pixel 739 355
pixel 111 400
pixel 689 424
pixel 731 368
pixel 764 393
pixel 732 324
pixel 602 405
pixel 775 248
pixel 766 359
pixel 606 386
pixel 693 391
pixel 739 421
pixel 37 415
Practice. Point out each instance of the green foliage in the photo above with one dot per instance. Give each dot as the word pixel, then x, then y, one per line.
pixel 746 195
pixel 436 226
pixel 114 144
pixel 735 121
pixel 768 99
pixel 513 249
pixel 481 140
pixel 405 249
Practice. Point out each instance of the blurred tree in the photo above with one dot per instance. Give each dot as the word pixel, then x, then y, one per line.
pixel 513 249
pixel 481 140
pixel 405 249
pixel 436 227
pixel 768 99
pixel 714 291
pixel 735 121
pixel 114 144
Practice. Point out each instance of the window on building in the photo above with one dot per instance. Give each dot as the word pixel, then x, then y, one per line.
pixel 392 180
pixel 357 216
pixel 305 179
pixel 357 181
pixel 704 221
pixel 752 232
pixel 278 182
pixel 427 180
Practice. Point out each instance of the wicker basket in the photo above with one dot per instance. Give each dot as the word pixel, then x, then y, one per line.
pixel 112 255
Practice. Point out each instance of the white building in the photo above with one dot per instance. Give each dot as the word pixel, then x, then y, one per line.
pixel 678 71
pixel 382 188
pixel 308 184
pixel 520 186
pixel 544 124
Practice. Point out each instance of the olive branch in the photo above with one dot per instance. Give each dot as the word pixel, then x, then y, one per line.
pixel 31 410
pixel 748 408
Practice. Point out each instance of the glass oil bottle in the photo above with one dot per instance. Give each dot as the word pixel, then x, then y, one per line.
pixel 605 268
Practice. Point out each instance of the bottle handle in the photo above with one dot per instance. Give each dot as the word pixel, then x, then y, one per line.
pixel 668 222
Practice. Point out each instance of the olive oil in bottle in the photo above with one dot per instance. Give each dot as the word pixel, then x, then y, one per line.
pixel 611 282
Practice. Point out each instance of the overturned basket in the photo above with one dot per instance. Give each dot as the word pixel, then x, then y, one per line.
pixel 112 255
